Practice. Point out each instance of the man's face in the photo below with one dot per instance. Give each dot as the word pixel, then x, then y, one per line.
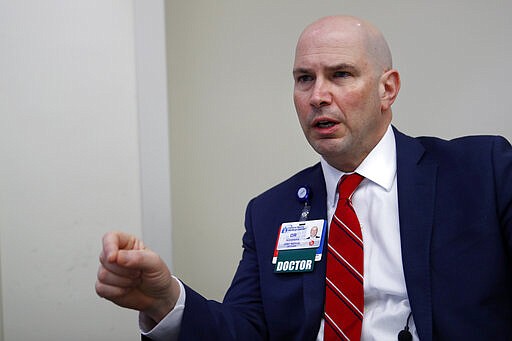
pixel 336 95
pixel 313 231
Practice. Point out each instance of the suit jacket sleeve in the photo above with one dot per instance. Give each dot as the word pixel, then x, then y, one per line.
pixel 241 313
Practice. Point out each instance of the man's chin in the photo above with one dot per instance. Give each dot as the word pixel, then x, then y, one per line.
pixel 329 148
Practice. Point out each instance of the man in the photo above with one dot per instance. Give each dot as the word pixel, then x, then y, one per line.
pixel 435 217
pixel 313 233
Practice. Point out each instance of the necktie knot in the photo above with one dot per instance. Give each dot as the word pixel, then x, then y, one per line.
pixel 348 184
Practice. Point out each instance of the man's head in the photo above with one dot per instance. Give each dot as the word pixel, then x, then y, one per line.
pixel 344 88
pixel 313 232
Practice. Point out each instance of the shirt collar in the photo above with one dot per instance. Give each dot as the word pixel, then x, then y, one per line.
pixel 378 167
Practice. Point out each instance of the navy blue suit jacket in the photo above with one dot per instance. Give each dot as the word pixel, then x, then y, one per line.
pixel 455 205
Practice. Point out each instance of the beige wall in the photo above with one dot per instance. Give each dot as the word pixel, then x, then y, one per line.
pixel 233 127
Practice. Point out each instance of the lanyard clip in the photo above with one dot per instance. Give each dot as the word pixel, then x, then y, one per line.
pixel 303 194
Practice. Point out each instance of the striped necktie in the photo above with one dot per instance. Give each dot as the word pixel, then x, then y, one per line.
pixel 344 295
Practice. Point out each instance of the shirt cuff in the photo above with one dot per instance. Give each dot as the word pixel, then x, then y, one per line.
pixel 169 327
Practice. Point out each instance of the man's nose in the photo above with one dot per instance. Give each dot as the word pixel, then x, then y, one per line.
pixel 321 95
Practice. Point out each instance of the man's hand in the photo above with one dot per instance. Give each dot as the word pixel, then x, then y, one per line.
pixel 135 277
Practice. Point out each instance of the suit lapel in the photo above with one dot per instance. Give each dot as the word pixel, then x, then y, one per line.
pixel 416 178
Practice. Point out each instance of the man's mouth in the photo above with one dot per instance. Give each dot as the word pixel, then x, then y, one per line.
pixel 324 124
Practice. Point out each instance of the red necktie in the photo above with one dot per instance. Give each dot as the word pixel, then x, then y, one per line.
pixel 344 295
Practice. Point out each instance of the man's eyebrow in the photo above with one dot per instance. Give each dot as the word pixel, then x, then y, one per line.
pixel 336 67
pixel 301 70
pixel 341 66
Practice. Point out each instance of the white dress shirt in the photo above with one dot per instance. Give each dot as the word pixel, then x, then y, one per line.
pixel 375 201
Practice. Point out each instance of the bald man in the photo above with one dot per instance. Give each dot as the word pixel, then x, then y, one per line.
pixel 435 216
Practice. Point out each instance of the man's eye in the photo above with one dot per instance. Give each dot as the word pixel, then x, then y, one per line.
pixel 304 78
pixel 341 74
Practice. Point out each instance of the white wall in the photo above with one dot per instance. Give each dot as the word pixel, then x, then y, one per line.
pixel 234 130
pixel 69 167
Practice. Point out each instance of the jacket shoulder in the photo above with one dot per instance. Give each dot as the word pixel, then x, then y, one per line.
pixel 466 149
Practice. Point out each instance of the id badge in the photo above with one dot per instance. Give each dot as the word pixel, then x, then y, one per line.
pixel 299 245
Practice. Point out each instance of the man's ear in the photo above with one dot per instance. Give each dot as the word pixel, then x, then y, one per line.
pixel 389 88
